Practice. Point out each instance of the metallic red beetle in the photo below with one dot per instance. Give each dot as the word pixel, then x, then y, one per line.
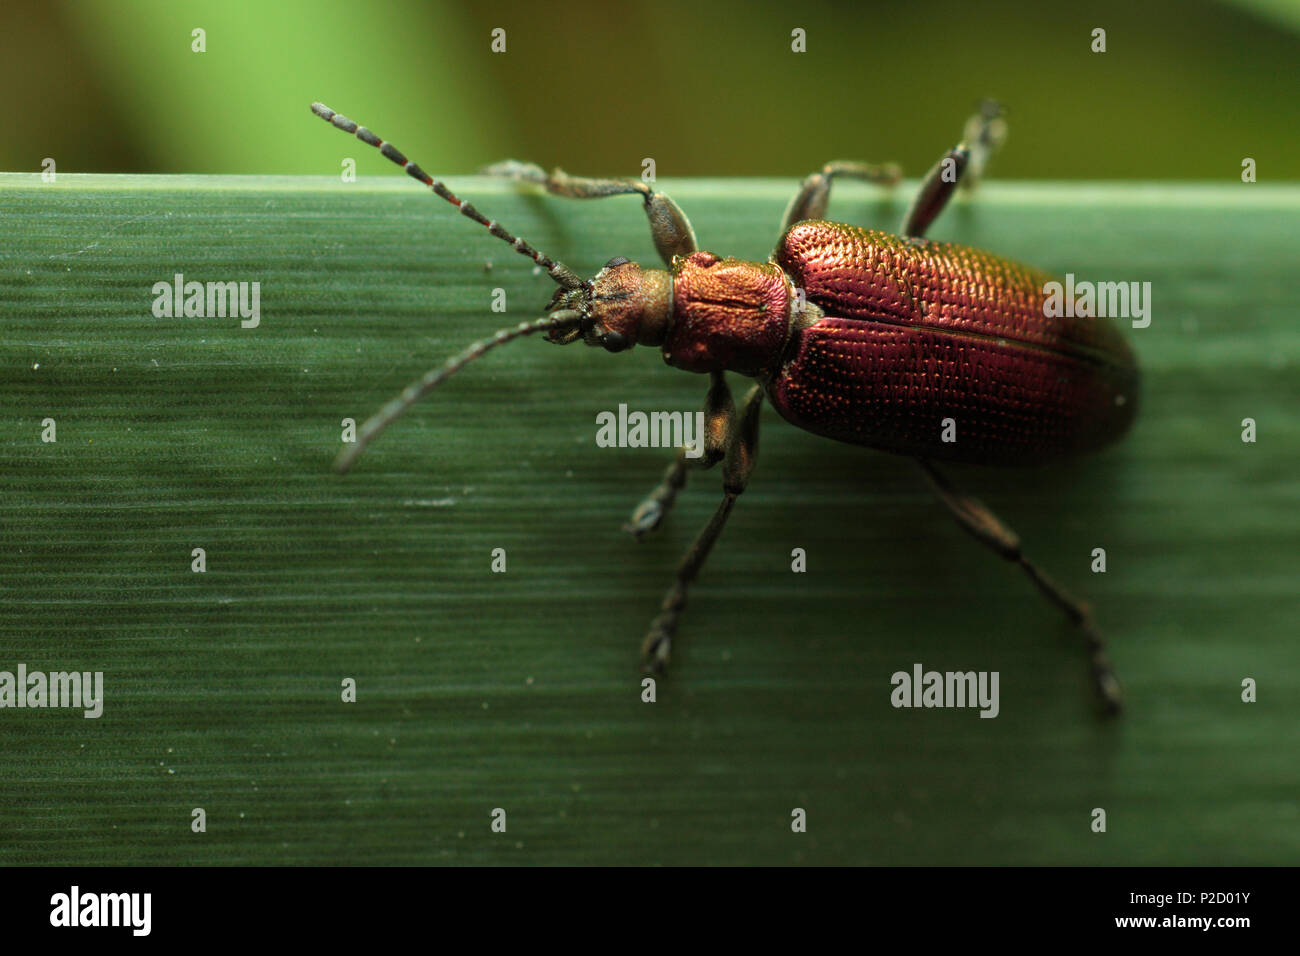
pixel 908 345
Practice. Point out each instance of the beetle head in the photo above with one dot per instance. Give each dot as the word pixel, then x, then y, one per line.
pixel 622 306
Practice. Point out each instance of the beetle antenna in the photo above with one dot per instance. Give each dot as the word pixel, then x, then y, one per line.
pixel 563 319
pixel 558 271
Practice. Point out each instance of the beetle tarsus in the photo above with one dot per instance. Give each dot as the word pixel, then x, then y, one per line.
pixel 986 131
pixel 1106 683
pixel 656 650
pixel 650 513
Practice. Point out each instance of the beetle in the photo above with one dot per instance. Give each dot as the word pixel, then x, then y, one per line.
pixel 892 342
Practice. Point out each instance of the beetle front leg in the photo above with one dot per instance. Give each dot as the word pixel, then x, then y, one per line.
pixel 719 411
pixel 669 227
pixel 815 192
pixel 985 526
pixel 741 448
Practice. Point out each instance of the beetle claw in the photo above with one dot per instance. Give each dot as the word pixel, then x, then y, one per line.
pixel 645 518
pixel 657 649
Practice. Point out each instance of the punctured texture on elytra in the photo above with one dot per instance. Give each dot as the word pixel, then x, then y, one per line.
pixel 916 331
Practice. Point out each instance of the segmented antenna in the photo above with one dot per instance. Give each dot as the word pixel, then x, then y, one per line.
pixel 558 271
pixel 560 319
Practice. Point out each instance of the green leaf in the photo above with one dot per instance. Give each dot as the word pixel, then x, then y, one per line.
pixel 520 690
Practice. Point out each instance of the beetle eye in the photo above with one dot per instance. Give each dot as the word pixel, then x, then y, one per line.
pixel 615 341
pixel 617 261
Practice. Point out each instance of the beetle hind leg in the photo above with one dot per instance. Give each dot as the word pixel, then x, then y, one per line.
pixel 986 527
pixel 738 463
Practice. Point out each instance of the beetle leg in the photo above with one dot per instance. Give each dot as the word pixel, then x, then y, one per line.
pixel 742 446
pixel 651 511
pixel 669 227
pixel 985 526
pixel 963 165
pixel 815 192
pixel 936 189
pixel 719 411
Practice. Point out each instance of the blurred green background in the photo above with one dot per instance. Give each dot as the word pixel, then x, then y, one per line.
pixel 1185 90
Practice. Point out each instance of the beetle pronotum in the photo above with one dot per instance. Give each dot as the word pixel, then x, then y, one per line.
pixel 857 335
